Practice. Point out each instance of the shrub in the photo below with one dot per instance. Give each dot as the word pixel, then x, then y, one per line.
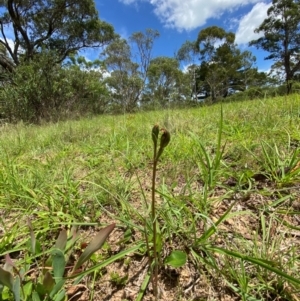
pixel 44 90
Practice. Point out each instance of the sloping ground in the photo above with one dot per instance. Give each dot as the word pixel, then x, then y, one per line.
pixel 236 219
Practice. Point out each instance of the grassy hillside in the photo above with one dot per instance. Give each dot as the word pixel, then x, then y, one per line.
pixel 97 171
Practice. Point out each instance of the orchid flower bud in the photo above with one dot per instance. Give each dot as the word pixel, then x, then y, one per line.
pixel 155 132
pixel 165 138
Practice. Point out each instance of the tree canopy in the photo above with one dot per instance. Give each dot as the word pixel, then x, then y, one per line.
pixel 166 82
pixel 223 65
pixel 40 43
pixel 66 26
pixel 281 37
pixel 129 68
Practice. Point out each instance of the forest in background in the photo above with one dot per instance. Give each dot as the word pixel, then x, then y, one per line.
pixel 45 78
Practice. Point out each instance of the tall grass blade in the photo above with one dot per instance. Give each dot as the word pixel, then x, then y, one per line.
pixel 269 265
pixel 108 261
pixel 213 229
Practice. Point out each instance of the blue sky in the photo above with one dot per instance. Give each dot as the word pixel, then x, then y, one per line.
pixel 181 20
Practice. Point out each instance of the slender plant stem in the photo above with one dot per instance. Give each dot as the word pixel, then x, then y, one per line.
pixel 153 210
pixel 164 141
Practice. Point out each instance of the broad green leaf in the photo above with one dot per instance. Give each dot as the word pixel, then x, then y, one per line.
pixel 48 282
pixel 9 265
pixel 27 289
pixel 61 240
pixel 58 263
pixel 40 289
pixel 35 297
pixel 6 278
pixel 94 246
pixel 57 287
pixel 17 288
pixel 60 296
pixel 159 242
pixel 74 235
pixel 176 259
pixel 32 238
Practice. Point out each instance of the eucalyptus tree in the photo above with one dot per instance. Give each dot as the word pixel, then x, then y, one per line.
pixel 142 45
pixel 188 55
pixel 281 37
pixel 7 65
pixel 166 82
pixel 215 47
pixel 223 65
pixel 128 64
pixel 64 26
pixel 124 81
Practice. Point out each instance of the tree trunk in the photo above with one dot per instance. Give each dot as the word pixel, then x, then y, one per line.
pixel 289 82
pixel 6 63
pixel 288 87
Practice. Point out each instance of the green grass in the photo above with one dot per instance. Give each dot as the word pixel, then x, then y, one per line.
pixel 227 195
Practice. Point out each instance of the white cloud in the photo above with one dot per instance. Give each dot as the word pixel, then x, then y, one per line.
pixel 190 14
pixel 186 68
pixel 10 43
pixel 128 1
pixel 245 32
pixel 123 32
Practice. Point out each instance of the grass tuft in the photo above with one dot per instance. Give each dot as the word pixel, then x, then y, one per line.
pixel 225 223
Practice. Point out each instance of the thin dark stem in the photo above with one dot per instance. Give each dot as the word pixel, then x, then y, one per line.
pixel 153 210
